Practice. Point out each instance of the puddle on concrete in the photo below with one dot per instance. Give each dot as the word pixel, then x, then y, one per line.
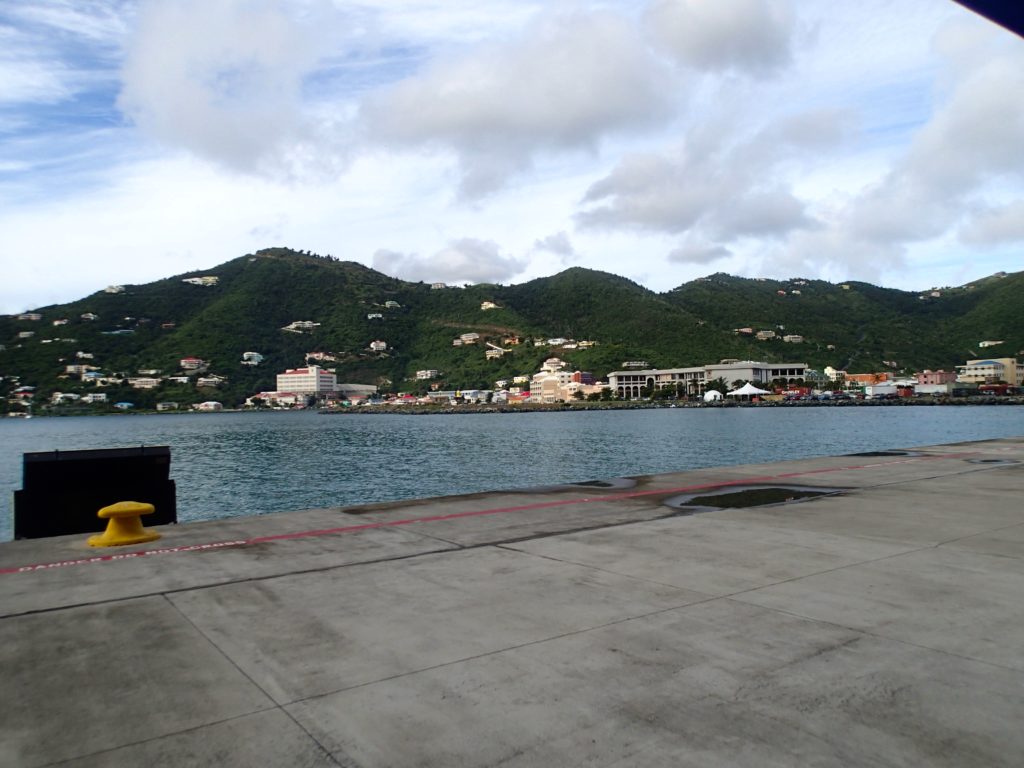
pixel 990 462
pixel 744 497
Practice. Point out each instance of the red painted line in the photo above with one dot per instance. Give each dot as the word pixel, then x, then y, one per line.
pixel 612 497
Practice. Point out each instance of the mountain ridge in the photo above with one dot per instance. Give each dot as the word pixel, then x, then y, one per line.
pixel 254 297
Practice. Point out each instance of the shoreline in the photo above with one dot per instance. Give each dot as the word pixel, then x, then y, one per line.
pixel 422 410
pixel 613 405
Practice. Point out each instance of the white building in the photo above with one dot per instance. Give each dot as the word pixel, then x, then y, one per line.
pixel 378 345
pixel 205 280
pixel 251 358
pixel 427 373
pixel 486 305
pixel 694 380
pixel 312 380
pixel 301 326
pixel 114 289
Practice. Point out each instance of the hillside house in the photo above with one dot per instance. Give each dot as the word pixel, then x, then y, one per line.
pixel 114 289
pixel 211 381
pixel 374 316
pixel 378 346
pixel 301 326
pixel 144 382
pixel 494 354
pixel 391 304
pixel 206 280
pixel 437 286
pixel 33 316
pixel 764 335
pixel 252 358
pixel 470 338
pixel 793 338
pixel 488 305
pixel 90 316
pixel 192 363
pixel 427 374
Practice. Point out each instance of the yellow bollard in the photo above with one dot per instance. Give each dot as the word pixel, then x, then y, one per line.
pixel 124 526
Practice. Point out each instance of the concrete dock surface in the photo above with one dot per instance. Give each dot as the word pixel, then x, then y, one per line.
pixel 617 623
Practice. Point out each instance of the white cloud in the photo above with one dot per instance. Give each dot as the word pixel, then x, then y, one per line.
pixel 750 36
pixel 695 253
pixel 565 83
pixel 558 244
pixel 223 78
pixel 721 183
pixel 467 260
pixel 996 226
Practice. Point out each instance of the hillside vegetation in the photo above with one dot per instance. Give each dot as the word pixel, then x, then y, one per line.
pixel 856 326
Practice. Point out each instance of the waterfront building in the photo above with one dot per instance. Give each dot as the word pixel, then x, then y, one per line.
pixel 936 377
pixel 990 371
pixel 693 380
pixel 209 405
pixel 312 380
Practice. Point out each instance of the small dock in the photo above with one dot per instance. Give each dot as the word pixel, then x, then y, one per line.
pixel 837 611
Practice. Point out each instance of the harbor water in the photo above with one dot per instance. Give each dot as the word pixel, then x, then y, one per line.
pixel 228 464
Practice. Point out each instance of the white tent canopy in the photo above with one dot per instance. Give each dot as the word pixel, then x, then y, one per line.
pixel 748 389
pixel 711 395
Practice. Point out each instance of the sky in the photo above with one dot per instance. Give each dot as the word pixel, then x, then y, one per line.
pixel 504 140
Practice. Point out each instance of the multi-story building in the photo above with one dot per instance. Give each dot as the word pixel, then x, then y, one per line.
pixel 694 380
pixel 936 377
pixel 427 373
pixel 1004 369
pixel 312 380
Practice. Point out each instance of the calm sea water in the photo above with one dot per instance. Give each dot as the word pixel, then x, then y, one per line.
pixel 254 463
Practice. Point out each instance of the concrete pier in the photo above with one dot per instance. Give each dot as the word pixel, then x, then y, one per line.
pixel 601 624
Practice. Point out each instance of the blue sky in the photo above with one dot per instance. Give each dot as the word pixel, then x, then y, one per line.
pixel 495 141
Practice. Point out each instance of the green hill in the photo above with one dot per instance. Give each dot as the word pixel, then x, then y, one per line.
pixel 151 327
